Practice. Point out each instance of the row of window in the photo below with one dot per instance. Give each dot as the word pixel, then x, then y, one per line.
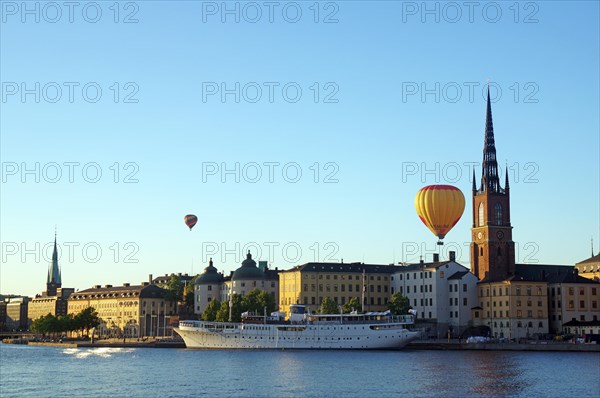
pixel 340 301
pixel 506 291
pixel 499 314
pixel 455 301
pixel 421 275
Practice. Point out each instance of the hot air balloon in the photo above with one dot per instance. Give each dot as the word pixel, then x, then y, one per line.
pixel 440 207
pixel 190 220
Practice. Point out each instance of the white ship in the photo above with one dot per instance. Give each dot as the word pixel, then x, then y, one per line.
pixel 373 330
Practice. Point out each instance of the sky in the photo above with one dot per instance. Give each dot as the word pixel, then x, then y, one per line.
pixel 300 131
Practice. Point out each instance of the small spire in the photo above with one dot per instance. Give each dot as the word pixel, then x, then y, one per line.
pixel 506 186
pixel 474 185
pixel 592 241
pixel 210 262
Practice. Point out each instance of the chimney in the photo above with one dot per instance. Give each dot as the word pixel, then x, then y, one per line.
pixel 452 255
pixel 126 284
pixel 107 286
pixel 150 279
pixel 97 286
pixel 436 258
pixel 145 283
pixel 421 259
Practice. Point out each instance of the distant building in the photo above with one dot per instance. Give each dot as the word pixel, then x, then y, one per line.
pixel 213 285
pixel 163 281
pixel 130 311
pixel 16 313
pixel 310 283
pixel 2 315
pixel 442 293
pixel 207 287
pixel 590 268
pixel 54 300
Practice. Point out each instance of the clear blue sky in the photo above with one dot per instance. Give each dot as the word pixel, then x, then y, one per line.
pixel 544 56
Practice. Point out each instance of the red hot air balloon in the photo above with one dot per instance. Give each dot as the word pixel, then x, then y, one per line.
pixel 190 220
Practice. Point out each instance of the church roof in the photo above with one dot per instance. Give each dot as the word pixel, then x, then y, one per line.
pixel 209 276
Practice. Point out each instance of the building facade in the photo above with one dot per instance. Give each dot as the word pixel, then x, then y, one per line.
pixel 213 285
pixel 310 283
pixel 442 293
pixel 127 311
pixel 16 313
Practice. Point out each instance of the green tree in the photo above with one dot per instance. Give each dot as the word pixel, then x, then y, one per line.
pixel 328 306
pixel 236 310
pixel 257 300
pixel 398 304
pixel 266 299
pixel 352 305
pixel 211 310
pixel 174 289
pixel 86 320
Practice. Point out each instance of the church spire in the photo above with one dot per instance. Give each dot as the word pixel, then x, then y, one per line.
pixel 489 168
pixel 53 271
pixel 506 179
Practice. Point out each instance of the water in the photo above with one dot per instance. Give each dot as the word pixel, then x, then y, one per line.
pixel 146 372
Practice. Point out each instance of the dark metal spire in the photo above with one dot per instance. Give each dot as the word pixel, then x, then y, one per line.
pixel 506 179
pixel 489 169
pixel 474 184
pixel 53 270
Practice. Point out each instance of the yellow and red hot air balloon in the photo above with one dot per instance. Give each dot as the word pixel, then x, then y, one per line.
pixel 440 207
pixel 190 220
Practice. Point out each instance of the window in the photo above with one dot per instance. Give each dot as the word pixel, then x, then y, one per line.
pixel 594 291
pixel 540 324
pixel 464 301
pixel 464 287
pixel 407 289
pixel 571 291
pixel 476 314
pixel 498 213
pixel 582 304
pixel 209 288
pixel 481 214
pixel 349 288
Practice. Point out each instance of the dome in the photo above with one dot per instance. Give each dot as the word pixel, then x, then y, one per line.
pixel 248 270
pixel 210 275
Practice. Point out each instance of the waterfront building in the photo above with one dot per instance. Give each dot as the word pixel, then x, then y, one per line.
pixel 310 283
pixel 590 268
pixel 53 301
pixel 207 287
pixel 574 302
pixel 130 311
pixel 249 277
pixel 163 281
pixel 2 314
pixel 442 293
pixel 16 313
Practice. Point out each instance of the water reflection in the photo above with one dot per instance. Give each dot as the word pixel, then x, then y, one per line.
pixel 496 373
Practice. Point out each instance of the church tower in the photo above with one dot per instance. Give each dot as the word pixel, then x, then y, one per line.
pixel 492 247
pixel 53 281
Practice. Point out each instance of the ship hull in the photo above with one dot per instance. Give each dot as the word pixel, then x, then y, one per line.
pixel 205 335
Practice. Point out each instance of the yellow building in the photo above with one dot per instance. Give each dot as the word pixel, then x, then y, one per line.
pixel 574 300
pixel 513 308
pixel 130 311
pixel 54 305
pixel 590 268
pixel 310 283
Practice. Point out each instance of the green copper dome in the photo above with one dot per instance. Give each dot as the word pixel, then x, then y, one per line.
pixel 248 270
pixel 209 276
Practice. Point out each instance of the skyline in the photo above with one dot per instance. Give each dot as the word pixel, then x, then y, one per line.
pixel 377 140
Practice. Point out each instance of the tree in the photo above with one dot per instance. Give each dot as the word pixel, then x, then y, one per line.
pixel 236 310
pixel 86 319
pixel 211 310
pixel 352 305
pixel 398 304
pixel 174 289
pixel 328 306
